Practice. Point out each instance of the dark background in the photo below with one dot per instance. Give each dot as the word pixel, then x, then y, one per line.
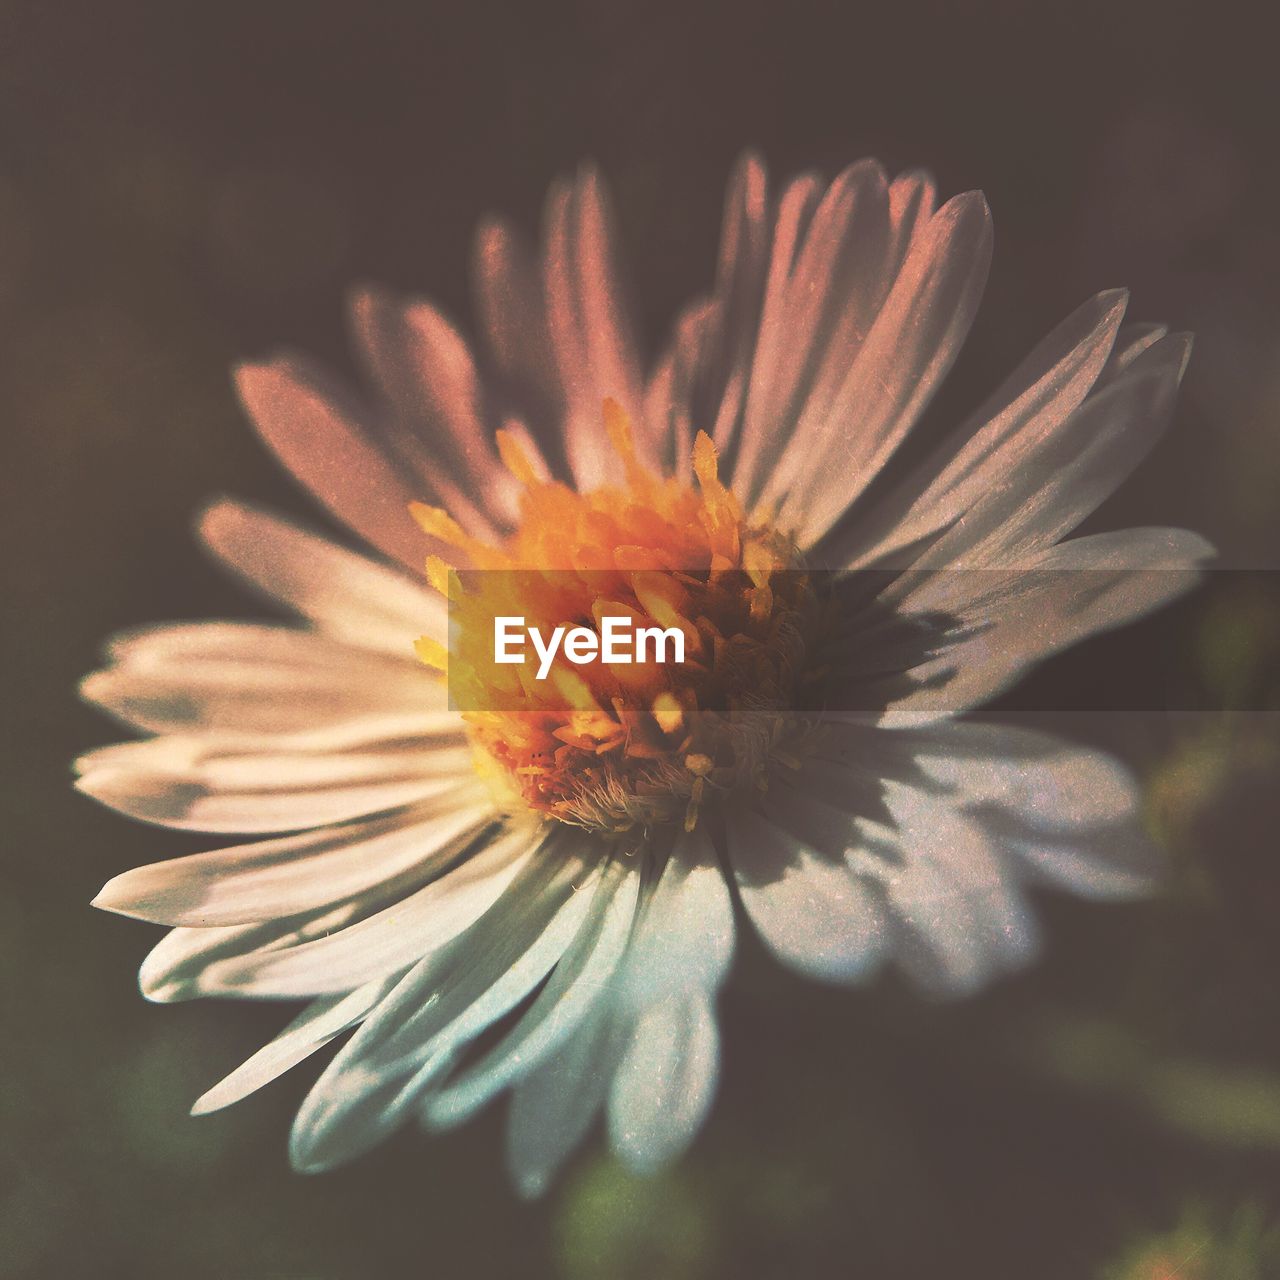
pixel 183 186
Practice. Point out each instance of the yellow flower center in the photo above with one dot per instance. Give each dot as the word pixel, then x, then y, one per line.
pixel 608 746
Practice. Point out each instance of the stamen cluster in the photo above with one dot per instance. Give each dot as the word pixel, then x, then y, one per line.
pixel 615 747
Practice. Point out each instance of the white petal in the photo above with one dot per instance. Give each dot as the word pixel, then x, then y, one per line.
pixel 175 967
pixel 379 732
pixel 193 805
pixel 942 881
pixel 176 645
pixel 222 768
pixel 684 937
pixel 959 917
pixel 321 1021
pixel 553 1106
pixel 678 955
pixel 580 979
pixel 444 1001
pixel 385 941
pixel 1051 784
pixel 246 679
pixel 1117 862
pixel 1066 815
pixel 1052 811
pixel 1028 479
pixel 1001 623
pixel 665 1081
pixel 344 594
pixel 290 875
pixel 811 911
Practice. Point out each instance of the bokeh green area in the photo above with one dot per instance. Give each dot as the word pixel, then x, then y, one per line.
pixel 184 185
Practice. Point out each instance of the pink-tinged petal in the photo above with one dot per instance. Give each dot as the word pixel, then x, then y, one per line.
pixel 344 594
pixel 911 346
pixel 522 377
pixel 744 244
pixel 1132 340
pixel 671 388
pixel 839 282
pixel 769 360
pixel 913 200
pixel 509 301
pixel 719 380
pixel 994 446
pixel 701 381
pixel 330 449
pixel 435 409
pixel 1107 437
pixel 589 325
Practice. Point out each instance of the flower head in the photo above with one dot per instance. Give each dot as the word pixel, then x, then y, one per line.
pixel 555 859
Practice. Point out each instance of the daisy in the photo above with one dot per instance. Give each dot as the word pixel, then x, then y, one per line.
pixel 540 898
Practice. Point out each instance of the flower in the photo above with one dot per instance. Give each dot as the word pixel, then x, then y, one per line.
pixel 562 876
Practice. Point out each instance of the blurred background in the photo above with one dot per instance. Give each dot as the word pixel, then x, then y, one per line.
pixel 186 185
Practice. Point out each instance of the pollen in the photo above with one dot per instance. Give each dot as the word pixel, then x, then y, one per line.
pixel 613 747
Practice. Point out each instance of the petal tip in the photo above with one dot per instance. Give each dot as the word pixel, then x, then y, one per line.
pixel 117 897
pixel 530 1186
pixel 364 296
pixel 1113 303
pixel 91 687
pixel 302 1159
pixel 217 516
pixel 259 383
pixel 208 1102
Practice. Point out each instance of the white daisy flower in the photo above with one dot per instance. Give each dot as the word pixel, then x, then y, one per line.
pixel 563 880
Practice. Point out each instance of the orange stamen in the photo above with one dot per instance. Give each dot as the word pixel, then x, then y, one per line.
pixel 599 745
